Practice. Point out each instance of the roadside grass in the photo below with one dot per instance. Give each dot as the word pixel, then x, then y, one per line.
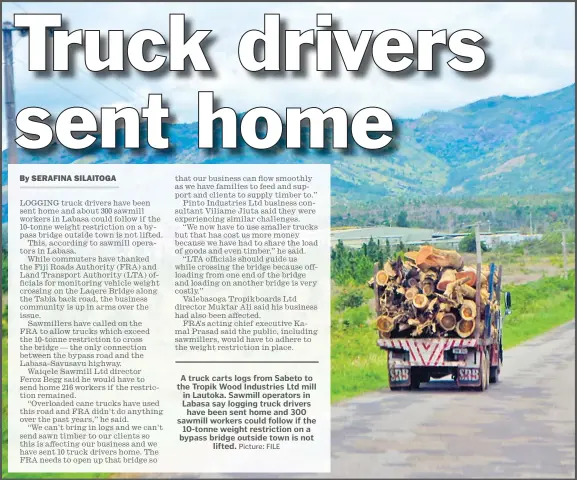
pixel 538 307
pixel 359 366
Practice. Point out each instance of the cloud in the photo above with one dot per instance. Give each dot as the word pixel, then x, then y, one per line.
pixel 531 45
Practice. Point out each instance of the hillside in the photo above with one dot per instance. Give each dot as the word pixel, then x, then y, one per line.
pixel 500 145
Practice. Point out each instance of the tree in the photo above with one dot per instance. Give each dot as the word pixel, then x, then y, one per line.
pixel 402 220
pixel 387 252
pixel 386 216
pixel 372 250
pixel 468 244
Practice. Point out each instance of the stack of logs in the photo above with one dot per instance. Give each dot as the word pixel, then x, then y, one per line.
pixel 430 293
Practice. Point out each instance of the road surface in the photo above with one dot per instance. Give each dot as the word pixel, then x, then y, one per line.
pixel 522 427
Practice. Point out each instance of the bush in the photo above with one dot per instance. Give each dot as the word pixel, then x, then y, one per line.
pixel 469 245
pixel 356 317
pixel 352 299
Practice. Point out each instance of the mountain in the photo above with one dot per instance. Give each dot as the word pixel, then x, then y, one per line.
pixel 505 144
pixel 500 145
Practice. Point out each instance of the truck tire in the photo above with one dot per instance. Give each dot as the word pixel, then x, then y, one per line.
pixel 494 374
pixel 484 372
pixel 415 381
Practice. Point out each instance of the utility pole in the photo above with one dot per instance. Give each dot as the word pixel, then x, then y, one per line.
pixel 10 103
pixel 564 244
pixel 478 242
pixel 531 223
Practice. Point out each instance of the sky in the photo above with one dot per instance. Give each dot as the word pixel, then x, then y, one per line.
pixel 531 46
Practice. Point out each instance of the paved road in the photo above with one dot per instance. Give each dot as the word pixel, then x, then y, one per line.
pixel 522 427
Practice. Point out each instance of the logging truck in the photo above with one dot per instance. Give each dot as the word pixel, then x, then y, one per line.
pixel 473 362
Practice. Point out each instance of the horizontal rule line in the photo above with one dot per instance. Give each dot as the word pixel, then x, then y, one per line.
pixel 69 186
pixel 245 361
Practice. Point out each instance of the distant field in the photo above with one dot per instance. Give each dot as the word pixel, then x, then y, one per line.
pixel 524 269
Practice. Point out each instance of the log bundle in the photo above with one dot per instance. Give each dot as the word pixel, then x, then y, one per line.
pixel 430 293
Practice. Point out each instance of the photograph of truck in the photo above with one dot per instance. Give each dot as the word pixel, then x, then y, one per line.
pixel 437 317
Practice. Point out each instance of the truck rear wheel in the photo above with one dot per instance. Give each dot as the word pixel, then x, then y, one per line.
pixel 494 374
pixel 484 371
pixel 415 379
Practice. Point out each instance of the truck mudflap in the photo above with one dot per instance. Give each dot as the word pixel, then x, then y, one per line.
pixel 428 352
pixel 469 377
pixel 476 373
pixel 399 377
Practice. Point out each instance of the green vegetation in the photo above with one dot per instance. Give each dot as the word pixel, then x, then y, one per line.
pixel 538 307
pixel 402 220
pixel 352 265
pixel 357 365
pixel 468 244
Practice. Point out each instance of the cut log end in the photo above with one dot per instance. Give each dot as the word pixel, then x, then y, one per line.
pixel 411 293
pixel 470 275
pixel 385 324
pixel 428 287
pixel 465 328
pixel 420 301
pixel 447 321
pixel 413 282
pixel 382 278
pixel 468 310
